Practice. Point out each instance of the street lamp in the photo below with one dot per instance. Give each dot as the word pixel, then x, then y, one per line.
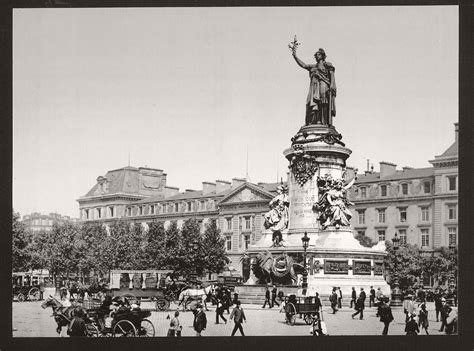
pixel 305 241
pixel 396 293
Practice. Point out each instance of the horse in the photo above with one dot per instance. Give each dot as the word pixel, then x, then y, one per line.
pixel 194 294
pixel 62 315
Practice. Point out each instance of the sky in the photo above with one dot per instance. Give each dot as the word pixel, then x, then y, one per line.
pixel 192 91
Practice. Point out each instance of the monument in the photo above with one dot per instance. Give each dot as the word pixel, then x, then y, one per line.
pixel 315 207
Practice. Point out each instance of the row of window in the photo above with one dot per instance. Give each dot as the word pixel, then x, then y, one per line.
pixel 402 214
pixel 228 242
pixel 424 233
pixel 152 209
pixel 451 186
pixel 246 223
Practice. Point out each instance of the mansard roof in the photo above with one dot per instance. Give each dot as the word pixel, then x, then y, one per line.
pixel 453 150
pixel 413 173
pixel 122 180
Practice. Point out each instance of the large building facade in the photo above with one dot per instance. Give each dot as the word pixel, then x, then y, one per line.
pixel 419 204
pixel 36 222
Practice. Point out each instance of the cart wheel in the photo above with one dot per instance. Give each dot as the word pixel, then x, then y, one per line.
pixel 147 329
pixel 292 313
pixel 308 318
pixel 20 297
pixel 124 328
pixel 92 330
pixel 34 294
pixel 162 304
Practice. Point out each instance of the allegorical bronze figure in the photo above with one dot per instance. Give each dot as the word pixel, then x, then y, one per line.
pixel 320 103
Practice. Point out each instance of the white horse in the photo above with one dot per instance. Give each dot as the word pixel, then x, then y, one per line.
pixel 188 295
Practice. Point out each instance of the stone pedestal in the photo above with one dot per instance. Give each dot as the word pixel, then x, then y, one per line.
pixel 334 256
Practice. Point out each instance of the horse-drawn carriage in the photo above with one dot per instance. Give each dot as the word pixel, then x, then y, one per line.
pixel 304 306
pixel 144 284
pixel 26 286
pixel 126 322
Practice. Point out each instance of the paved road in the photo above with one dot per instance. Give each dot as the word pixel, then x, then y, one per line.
pixel 30 320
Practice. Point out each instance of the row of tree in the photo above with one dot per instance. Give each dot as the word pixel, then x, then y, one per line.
pixel 90 247
pixel 408 264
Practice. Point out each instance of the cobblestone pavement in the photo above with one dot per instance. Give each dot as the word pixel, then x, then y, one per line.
pixel 30 320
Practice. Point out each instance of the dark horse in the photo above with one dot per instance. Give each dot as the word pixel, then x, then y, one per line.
pixel 80 290
pixel 62 315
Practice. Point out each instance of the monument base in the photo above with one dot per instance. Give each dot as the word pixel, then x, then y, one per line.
pixel 334 258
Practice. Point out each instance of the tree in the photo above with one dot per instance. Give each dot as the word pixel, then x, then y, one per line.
pixel 173 248
pixel 155 251
pixel 403 263
pixel 442 265
pixel 215 258
pixel 96 240
pixel 21 255
pixel 191 258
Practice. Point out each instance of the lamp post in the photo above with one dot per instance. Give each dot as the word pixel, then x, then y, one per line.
pixel 305 241
pixel 396 300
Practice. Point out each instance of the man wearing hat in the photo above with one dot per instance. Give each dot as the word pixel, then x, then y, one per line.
pixel 386 316
pixel 411 327
pixel 200 320
pixel 445 311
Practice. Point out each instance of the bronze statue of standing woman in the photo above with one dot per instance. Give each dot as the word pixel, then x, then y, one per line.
pixel 320 103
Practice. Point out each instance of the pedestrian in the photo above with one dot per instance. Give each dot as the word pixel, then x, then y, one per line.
pixel 411 327
pixel 200 320
pixel 386 316
pixel 408 307
pixel 360 304
pixel 438 304
pixel 274 296
pixel 317 303
pixel 228 299
pixel 41 288
pixel 333 300
pixel 353 297
pixel 421 295
pixel 423 318
pixel 220 311
pixel 445 311
pixel 175 326
pixel 239 317
pixel 281 295
pixel 267 299
pixel 372 296
pixel 77 326
pixel 339 297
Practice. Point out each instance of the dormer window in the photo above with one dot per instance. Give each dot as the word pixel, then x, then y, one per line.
pixel 363 192
pixel 176 207
pixel 111 211
pixel 383 190
pixel 86 213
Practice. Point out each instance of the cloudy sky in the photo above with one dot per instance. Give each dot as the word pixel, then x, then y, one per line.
pixel 189 90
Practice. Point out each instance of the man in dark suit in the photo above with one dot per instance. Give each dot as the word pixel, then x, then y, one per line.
pixel 386 316
pixel 267 299
pixel 372 296
pixel 274 296
pixel 360 304
pixel 353 297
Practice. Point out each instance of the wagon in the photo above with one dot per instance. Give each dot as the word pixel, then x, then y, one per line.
pixel 303 306
pixel 129 323
pixel 143 284
pixel 26 286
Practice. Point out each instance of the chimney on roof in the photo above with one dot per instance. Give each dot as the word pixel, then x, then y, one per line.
pixel 208 188
pixel 170 191
pixel 236 182
pixel 406 168
pixel 387 169
pixel 222 185
pixel 456 131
